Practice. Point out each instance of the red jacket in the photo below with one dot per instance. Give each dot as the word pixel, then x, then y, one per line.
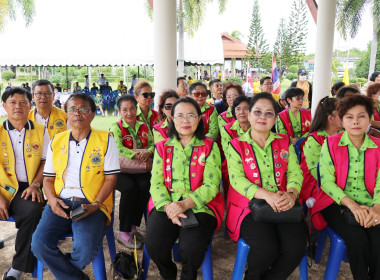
pixel 162 131
pixel 305 121
pixel 142 134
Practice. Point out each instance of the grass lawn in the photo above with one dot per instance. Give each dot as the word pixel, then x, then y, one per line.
pixel 98 123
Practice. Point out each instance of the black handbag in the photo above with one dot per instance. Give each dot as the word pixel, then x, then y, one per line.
pixel 263 212
pixel 124 267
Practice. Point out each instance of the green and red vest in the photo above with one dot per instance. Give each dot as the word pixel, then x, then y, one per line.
pixel 305 121
pixel 232 133
pixel 340 158
pixel 206 118
pixel 237 204
pixel 143 133
pixel 225 118
pixel 162 130
pixel 376 115
pixel 152 120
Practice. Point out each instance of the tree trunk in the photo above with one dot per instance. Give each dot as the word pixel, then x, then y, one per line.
pixel 372 59
pixel 181 34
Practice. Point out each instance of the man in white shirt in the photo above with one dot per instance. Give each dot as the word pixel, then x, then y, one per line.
pixel 86 82
pixel 247 89
pixel 80 174
pixel 102 82
pixel 23 152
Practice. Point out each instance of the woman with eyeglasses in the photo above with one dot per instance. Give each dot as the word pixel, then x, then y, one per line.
pixel 198 92
pixel 349 197
pixel 134 188
pixel 263 165
pixel 294 121
pixel 144 96
pixel 167 99
pixel 185 185
pixel 230 92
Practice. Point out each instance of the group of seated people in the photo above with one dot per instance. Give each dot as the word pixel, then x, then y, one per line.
pixel 188 149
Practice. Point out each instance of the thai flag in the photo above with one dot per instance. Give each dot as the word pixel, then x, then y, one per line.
pixel 249 75
pixel 275 78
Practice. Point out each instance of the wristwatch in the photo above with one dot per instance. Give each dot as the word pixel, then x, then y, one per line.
pixel 36 184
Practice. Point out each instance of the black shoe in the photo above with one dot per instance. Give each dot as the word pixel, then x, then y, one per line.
pixel 5 277
pixel 84 276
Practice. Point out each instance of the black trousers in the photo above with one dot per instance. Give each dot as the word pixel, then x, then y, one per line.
pixel 161 235
pixel 276 249
pixel 27 214
pixel 134 189
pixel 363 244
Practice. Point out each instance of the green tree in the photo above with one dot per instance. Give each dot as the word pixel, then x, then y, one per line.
pixel 293 69
pixel 8 11
pixel 335 64
pixel 362 65
pixel 7 75
pixel 281 45
pixel 257 44
pixel 349 20
pixel 237 34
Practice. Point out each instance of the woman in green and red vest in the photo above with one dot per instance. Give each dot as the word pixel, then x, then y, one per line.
pixel 185 177
pixel 294 121
pixel 350 182
pixel 144 96
pixel 134 188
pixel 373 92
pixel 264 165
pixel 237 128
pixel 198 92
pixel 230 92
pixel 167 99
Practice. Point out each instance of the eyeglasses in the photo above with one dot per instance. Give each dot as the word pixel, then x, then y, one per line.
pixel 40 94
pixel 147 94
pixel 82 111
pixel 168 106
pixel 197 94
pixel 189 117
pixel 268 115
pixel 184 85
pixel 299 98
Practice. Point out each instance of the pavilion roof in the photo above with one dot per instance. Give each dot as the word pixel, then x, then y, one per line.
pixel 232 47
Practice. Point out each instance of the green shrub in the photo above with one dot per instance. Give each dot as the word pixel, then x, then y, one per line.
pixel 56 78
pixel 293 69
pixel 236 79
pixel 7 75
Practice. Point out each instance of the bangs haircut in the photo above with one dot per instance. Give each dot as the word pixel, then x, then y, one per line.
pixel 126 98
pixel 266 96
pixel 15 90
pixel 240 99
pixel 352 101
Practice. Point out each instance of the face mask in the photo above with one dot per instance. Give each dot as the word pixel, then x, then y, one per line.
pixel 302 78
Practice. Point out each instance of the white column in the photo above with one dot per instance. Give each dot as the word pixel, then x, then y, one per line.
pixel 323 50
pixel 165 46
pixel 89 77
pixel 1 77
pixel 124 76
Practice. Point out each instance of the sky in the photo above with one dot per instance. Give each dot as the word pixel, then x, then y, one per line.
pixel 83 21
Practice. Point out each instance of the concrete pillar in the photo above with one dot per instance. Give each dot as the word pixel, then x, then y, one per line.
pixel 233 67
pixel 89 77
pixel 323 50
pixel 165 46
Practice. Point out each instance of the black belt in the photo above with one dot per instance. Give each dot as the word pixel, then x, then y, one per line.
pixel 77 199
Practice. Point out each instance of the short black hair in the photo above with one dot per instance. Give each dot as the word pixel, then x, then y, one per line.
pixel 264 95
pixel 213 81
pixel 237 101
pixel 352 101
pixel 374 75
pixel 293 92
pixel 42 83
pixel 344 90
pixel 199 132
pixel 337 86
pixel 263 79
pixel 194 85
pixel 15 90
pixel 180 78
pixel 84 97
pixel 126 98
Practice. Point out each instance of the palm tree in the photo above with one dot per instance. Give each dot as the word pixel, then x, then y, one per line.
pixel 349 19
pixel 190 14
pixel 237 34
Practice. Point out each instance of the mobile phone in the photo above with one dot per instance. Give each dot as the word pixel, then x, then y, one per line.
pixel 190 221
pixel 77 212
pixel 10 189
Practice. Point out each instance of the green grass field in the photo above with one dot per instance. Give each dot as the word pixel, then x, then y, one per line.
pixel 98 123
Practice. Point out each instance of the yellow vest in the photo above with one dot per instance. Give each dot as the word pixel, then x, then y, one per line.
pixel 92 165
pixel 33 143
pixel 57 121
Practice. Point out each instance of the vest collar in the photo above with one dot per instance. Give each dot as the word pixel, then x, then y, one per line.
pixel 8 126
pixel 173 141
pixel 368 143
pixel 71 138
pixel 205 107
pixel 247 138
pixel 137 125
pixel 323 133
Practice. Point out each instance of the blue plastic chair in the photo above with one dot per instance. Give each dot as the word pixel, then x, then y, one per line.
pixel 98 264
pixel 241 259
pixel 34 274
pixel 298 149
pixel 207 272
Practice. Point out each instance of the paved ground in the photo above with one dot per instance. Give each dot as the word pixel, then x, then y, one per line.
pixel 223 253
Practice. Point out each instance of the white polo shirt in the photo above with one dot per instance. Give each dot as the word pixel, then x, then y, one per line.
pixel 17 139
pixel 40 119
pixel 72 172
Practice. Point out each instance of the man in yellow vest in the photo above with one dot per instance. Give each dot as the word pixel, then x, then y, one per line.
pixel 22 157
pixel 79 179
pixel 53 118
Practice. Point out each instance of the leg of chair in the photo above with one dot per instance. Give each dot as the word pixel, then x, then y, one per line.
pixel 111 242
pixel 207 265
pixel 145 264
pixel 241 260
pixel 337 249
pixel 40 270
pixel 176 255
pixel 34 273
pixel 320 245
pixel 303 269
pixel 98 265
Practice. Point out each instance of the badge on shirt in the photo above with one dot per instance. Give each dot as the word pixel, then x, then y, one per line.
pixel 196 150
pixel 168 180
pixel 255 175
pixel 202 159
pixel 277 165
pixel 3 144
pixel 168 168
pixel 195 157
pixel 5 155
pixel 246 152
pixel 284 155
pixel 96 159
pixel 63 150
pixel 248 160
pixel 28 150
pixel 253 166
pixel 278 174
pixel 167 160
pixel 193 174
pixel 87 168
pixel 6 161
pixel 58 123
